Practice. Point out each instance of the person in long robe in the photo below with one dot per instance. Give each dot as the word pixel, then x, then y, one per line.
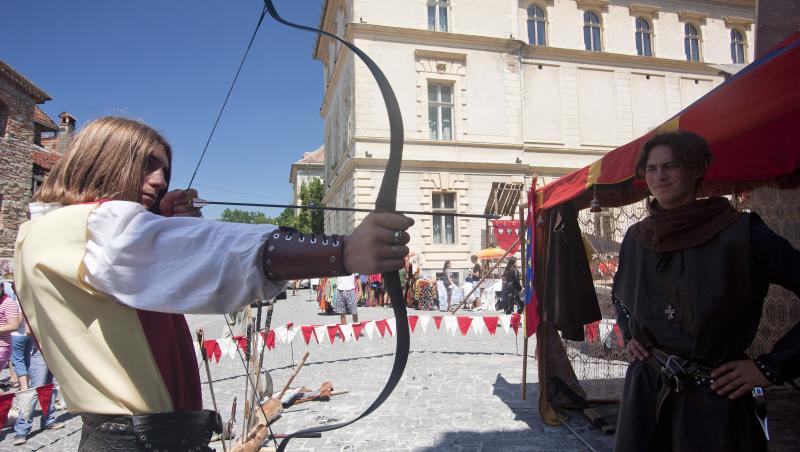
pixel 689 293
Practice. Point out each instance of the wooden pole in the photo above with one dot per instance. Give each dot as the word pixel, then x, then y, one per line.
pixel 294 374
pixel 204 355
pixel 524 311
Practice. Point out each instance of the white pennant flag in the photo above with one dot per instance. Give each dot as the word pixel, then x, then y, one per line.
pixel 347 330
pixel 423 322
pixel 478 325
pixel 606 327
pixel 228 347
pixel 505 322
pixel 280 334
pixel 369 328
pixel 392 325
pixel 322 333
pixel 196 349
pixel 291 332
pixel 451 325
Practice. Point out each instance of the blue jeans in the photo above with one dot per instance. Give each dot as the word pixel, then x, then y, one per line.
pixel 21 348
pixel 38 375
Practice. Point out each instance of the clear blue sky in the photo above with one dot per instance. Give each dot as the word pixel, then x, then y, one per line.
pixel 169 63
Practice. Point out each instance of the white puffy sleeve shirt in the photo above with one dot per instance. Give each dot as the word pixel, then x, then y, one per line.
pixel 176 265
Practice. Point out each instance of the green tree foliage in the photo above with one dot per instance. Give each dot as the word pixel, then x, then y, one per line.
pixel 244 216
pixel 287 218
pixel 311 221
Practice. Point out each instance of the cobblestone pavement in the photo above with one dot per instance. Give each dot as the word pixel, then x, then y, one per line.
pixel 458 393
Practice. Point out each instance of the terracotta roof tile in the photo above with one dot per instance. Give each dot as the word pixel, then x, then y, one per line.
pixel 315 156
pixel 40 117
pixel 45 159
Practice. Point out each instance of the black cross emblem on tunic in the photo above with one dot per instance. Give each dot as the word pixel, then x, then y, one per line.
pixel 670 312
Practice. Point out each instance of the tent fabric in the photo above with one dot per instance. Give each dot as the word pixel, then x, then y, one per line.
pixel 750 118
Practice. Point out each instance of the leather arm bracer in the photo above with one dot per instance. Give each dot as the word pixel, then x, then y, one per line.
pixel 288 254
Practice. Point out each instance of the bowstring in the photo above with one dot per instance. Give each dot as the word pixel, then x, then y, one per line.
pixel 230 90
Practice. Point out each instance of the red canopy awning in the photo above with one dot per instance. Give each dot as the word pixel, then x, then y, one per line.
pixel 751 122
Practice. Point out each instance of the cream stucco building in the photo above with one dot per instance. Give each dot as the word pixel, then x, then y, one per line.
pixel 500 90
pixel 311 165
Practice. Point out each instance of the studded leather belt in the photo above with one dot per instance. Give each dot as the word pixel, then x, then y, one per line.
pixel 177 431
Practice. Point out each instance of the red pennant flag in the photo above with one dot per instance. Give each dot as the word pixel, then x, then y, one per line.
pixel 333 331
pixel 382 326
pixel 618 332
pixel 491 324
pixel 212 349
pixel 516 322
pixel 412 322
pixel 5 405
pixel 44 393
pixel 437 319
pixel 357 327
pixel 241 341
pixel 592 331
pixel 464 321
pixel 307 331
pixel 289 325
pixel 269 339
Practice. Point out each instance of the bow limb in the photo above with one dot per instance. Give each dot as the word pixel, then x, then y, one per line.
pixel 386 202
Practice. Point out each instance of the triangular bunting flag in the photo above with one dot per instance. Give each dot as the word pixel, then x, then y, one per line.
pixel 618 333
pixel 516 321
pixel 369 328
pixel 464 321
pixel 44 393
pixel 281 332
pixel 357 328
pixel 213 349
pixel 347 332
pixel 478 326
pixel 412 322
pixel 241 341
pixel 437 319
pixel 291 332
pixel 450 325
pixel 5 405
pixel 391 325
pixel 228 346
pixel 382 326
pixel 491 324
pixel 320 331
pixel 269 339
pixel 333 331
pixel 423 320
pixel 505 322
pixel 307 331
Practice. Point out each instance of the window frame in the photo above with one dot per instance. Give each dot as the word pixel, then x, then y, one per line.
pixel 643 34
pixel 440 105
pixel 688 39
pixel 438 6
pixel 443 220
pixel 598 40
pixel 533 23
pixel 740 44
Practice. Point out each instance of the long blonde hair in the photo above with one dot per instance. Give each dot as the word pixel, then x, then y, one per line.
pixel 105 160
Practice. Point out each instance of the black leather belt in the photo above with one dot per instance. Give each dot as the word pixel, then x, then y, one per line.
pixel 180 430
pixel 679 374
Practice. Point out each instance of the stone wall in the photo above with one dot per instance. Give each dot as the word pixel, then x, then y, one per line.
pixel 16 147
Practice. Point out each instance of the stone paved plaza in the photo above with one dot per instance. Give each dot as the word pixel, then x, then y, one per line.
pixel 458 393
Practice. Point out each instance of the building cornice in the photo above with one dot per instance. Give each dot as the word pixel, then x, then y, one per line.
pixel 643 10
pixel 737 22
pixel 616 59
pixel 692 16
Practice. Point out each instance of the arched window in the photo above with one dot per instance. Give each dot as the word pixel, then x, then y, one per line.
pixel 691 43
pixel 644 37
pixel 738 41
pixel 536 27
pixel 591 32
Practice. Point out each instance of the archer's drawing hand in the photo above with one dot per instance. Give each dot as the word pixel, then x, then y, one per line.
pixel 636 351
pixel 178 203
pixel 737 378
pixel 378 244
